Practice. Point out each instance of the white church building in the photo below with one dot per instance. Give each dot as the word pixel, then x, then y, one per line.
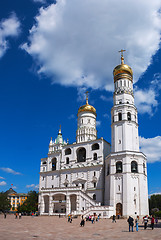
pixel 90 176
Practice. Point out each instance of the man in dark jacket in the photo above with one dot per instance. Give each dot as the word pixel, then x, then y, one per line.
pixel 131 223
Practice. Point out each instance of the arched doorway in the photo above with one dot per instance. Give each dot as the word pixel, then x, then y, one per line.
pixel 73 199
pixel 81 155
pixel 59 202
pixel 118 209
pixel 46 204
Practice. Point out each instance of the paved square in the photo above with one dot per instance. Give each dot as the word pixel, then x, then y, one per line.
pixel 56 228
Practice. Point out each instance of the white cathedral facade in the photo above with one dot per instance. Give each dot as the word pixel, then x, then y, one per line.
pixel 90 176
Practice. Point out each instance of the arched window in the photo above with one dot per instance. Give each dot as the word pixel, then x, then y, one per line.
pixel 67 160
pixel 94 174
pixel 134 167
pixel 144 168
pixel 120 116
pixel 81 155
pixel 95 146
pixel 94 196
pixel 53 164
pixel 119 167
pixel 129 116
pixel 67 151
pixel 95 156
pixel 44 163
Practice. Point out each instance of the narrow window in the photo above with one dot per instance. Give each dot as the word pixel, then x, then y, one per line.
pixel 129 116
pixel 134 167
pixel 120 116
pixel 119 167
pixel 95 156
pixel 119 187
pixel 94 196
pixel 67 160
pixel 108 169
pixel 94 184
pixel 144 168
pixel 82 186
pixel 94 173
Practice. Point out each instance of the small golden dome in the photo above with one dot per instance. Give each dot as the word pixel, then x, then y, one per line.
pixel 87 107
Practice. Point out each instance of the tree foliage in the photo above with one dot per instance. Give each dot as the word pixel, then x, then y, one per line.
pixel 4 202
pixel 155 204
pixel 31 204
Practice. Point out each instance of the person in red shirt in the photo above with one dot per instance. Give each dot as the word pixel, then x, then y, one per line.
pixel 152 222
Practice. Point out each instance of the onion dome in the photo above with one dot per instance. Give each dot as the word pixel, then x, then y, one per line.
pixel 59 138
pixel 87 107
pixel 122 70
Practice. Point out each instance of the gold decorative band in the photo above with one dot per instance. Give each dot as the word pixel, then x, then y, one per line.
pixel 123 76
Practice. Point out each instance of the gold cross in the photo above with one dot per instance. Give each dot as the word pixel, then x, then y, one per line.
pixel 86 97
pixel 121 51
pixel 122 56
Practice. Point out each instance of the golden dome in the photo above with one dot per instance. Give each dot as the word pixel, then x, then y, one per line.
pixel 122 70
pixel 87 107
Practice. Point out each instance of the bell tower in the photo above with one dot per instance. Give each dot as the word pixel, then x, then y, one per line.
pixel 86 123
pixel 124 112
pixel 126 173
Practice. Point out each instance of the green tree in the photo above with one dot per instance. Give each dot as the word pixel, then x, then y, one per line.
pixel 4 202
pixel 31 204
pixel 154 202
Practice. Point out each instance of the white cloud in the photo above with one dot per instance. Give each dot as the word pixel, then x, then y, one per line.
pixel 72 116
pixel 98 123
pixel 106 99
pixel 9 170
pixel 3 183
pixel 2 178
pixel 145 100
pixel 152 148
pixel 76 42
pixel 33 186
pixel 9 27
pixel 39 1
pixel 106 115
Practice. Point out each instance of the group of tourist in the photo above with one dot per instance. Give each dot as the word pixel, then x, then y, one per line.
pixel 91 218
pixel 145 222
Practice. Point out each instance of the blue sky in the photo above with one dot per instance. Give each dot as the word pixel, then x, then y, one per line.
pixel 50 54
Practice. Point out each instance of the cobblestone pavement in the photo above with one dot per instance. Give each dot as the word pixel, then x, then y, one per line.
pixel 55 228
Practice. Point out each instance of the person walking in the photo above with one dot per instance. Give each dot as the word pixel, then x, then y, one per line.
pixel 152 222
pixel 137 223
pixel 131 223
pixel 156 220
pixel 82 222
pixel 114 218
pixel 145 220
pixel 19 215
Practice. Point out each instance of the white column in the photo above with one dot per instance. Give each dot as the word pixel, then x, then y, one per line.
pixel 50 205
pixel 41 205
pixel 68 205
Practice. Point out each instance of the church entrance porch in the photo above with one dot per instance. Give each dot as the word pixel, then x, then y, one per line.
pixel 59 203
pixel 46 204
pixel 73 199
pixel 118 209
